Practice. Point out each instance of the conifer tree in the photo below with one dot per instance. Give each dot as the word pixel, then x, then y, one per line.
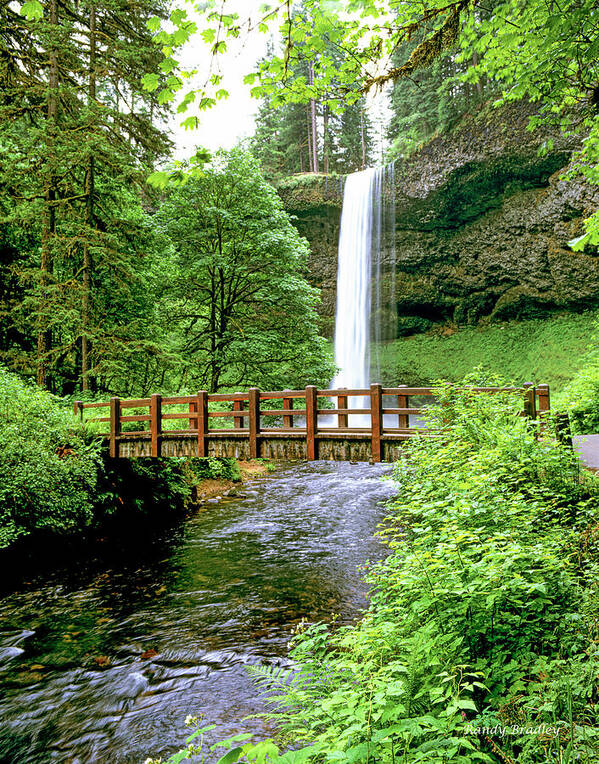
pixel 75 123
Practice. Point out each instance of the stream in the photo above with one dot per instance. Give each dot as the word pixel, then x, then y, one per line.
pixel 102 661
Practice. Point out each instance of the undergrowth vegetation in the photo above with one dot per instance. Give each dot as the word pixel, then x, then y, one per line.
pixel 48 473
pixel 481 642
pixel 580 397
pixel 55 479
pixel 549 349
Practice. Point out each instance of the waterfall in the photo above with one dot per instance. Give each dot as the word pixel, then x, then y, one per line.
pixel 365 276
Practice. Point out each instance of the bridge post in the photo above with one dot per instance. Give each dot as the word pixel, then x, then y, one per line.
pixel 311 422
pixel 543 391
pixel 193 421
pixel 78 408
pixel 237 420
pixel 156 423
pixel 115 426
pixel 202 409
pixel 530 400
pixel 287 406
pixel 342 404
pixel 254 413
pixel 376 418
pixel 402 403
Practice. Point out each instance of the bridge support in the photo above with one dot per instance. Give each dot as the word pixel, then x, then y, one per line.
pixel 115 426
pixel 311 422
pixel 202 409
pixel 254 412
pixel 376 419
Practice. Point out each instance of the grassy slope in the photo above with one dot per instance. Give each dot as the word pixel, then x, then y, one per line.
pixel 536 350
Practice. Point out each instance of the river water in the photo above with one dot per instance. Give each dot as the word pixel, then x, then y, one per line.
pixel 102 661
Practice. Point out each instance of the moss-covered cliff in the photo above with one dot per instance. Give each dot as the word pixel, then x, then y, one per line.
pixel 483 221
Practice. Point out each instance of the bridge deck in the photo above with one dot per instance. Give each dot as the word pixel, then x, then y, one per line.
pixel 366 424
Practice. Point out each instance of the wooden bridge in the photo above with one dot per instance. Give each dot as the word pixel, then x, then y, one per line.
pixel 272 425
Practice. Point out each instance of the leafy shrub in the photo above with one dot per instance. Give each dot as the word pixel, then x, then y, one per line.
pixel 217 468
pixel 407 325
pixel 55 477
pixel 483 623
pixel 48 473
pixel 580 398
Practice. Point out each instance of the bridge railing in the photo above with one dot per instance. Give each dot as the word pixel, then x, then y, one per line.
pixel 377 414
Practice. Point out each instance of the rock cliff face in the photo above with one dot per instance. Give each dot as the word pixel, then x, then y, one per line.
pixel 482 226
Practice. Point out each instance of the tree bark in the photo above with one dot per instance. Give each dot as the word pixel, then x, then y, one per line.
pixel 44 336
pixel 363 138
pixel 313 125
pixel 310 154
pixel 479 84
pixel 89 217
pixel 326 142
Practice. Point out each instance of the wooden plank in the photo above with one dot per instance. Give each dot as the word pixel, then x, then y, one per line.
pixel 530 400
pixel 376 419
pixel 288 406
pixel 78 409
pixel 254 413
pixel 228 397
pixel 407 390
pixel 265 412
pixel 97 405
pixel 275 394
pixel 156 423
pixel 202 411
pixel 403 412
pixel 193 409
pixel 343 411
pixel 403 402
pixel 115 426
pixel 343 391
pixel 544 404
pixel 135 403
pixel 279 412
pixel 311 422
pixel 136 418
pixel 181 415
pixel 341 417
pixel 178 399
pixel 238 420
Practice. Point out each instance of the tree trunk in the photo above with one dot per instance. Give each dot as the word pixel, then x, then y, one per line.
pixel 44 336
pixel 479 84
pixel 363 138
pixel 314 131
pixel 326 141
pixel 89 217
pixel 310 154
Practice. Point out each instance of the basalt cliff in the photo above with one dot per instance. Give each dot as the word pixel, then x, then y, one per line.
pixel 483 220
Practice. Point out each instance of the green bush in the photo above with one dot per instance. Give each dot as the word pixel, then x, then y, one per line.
pixel 55 477
pixel 48 473
pixel 580 397
pixel 484 619
pixel 408 325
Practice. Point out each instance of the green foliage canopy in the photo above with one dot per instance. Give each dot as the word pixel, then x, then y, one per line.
pixel 245 315
pixel 544 51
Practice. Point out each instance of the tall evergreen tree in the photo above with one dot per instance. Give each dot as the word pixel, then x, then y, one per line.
pixel 75 123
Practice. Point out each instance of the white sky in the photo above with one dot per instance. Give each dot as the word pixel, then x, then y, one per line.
pixel 233 118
